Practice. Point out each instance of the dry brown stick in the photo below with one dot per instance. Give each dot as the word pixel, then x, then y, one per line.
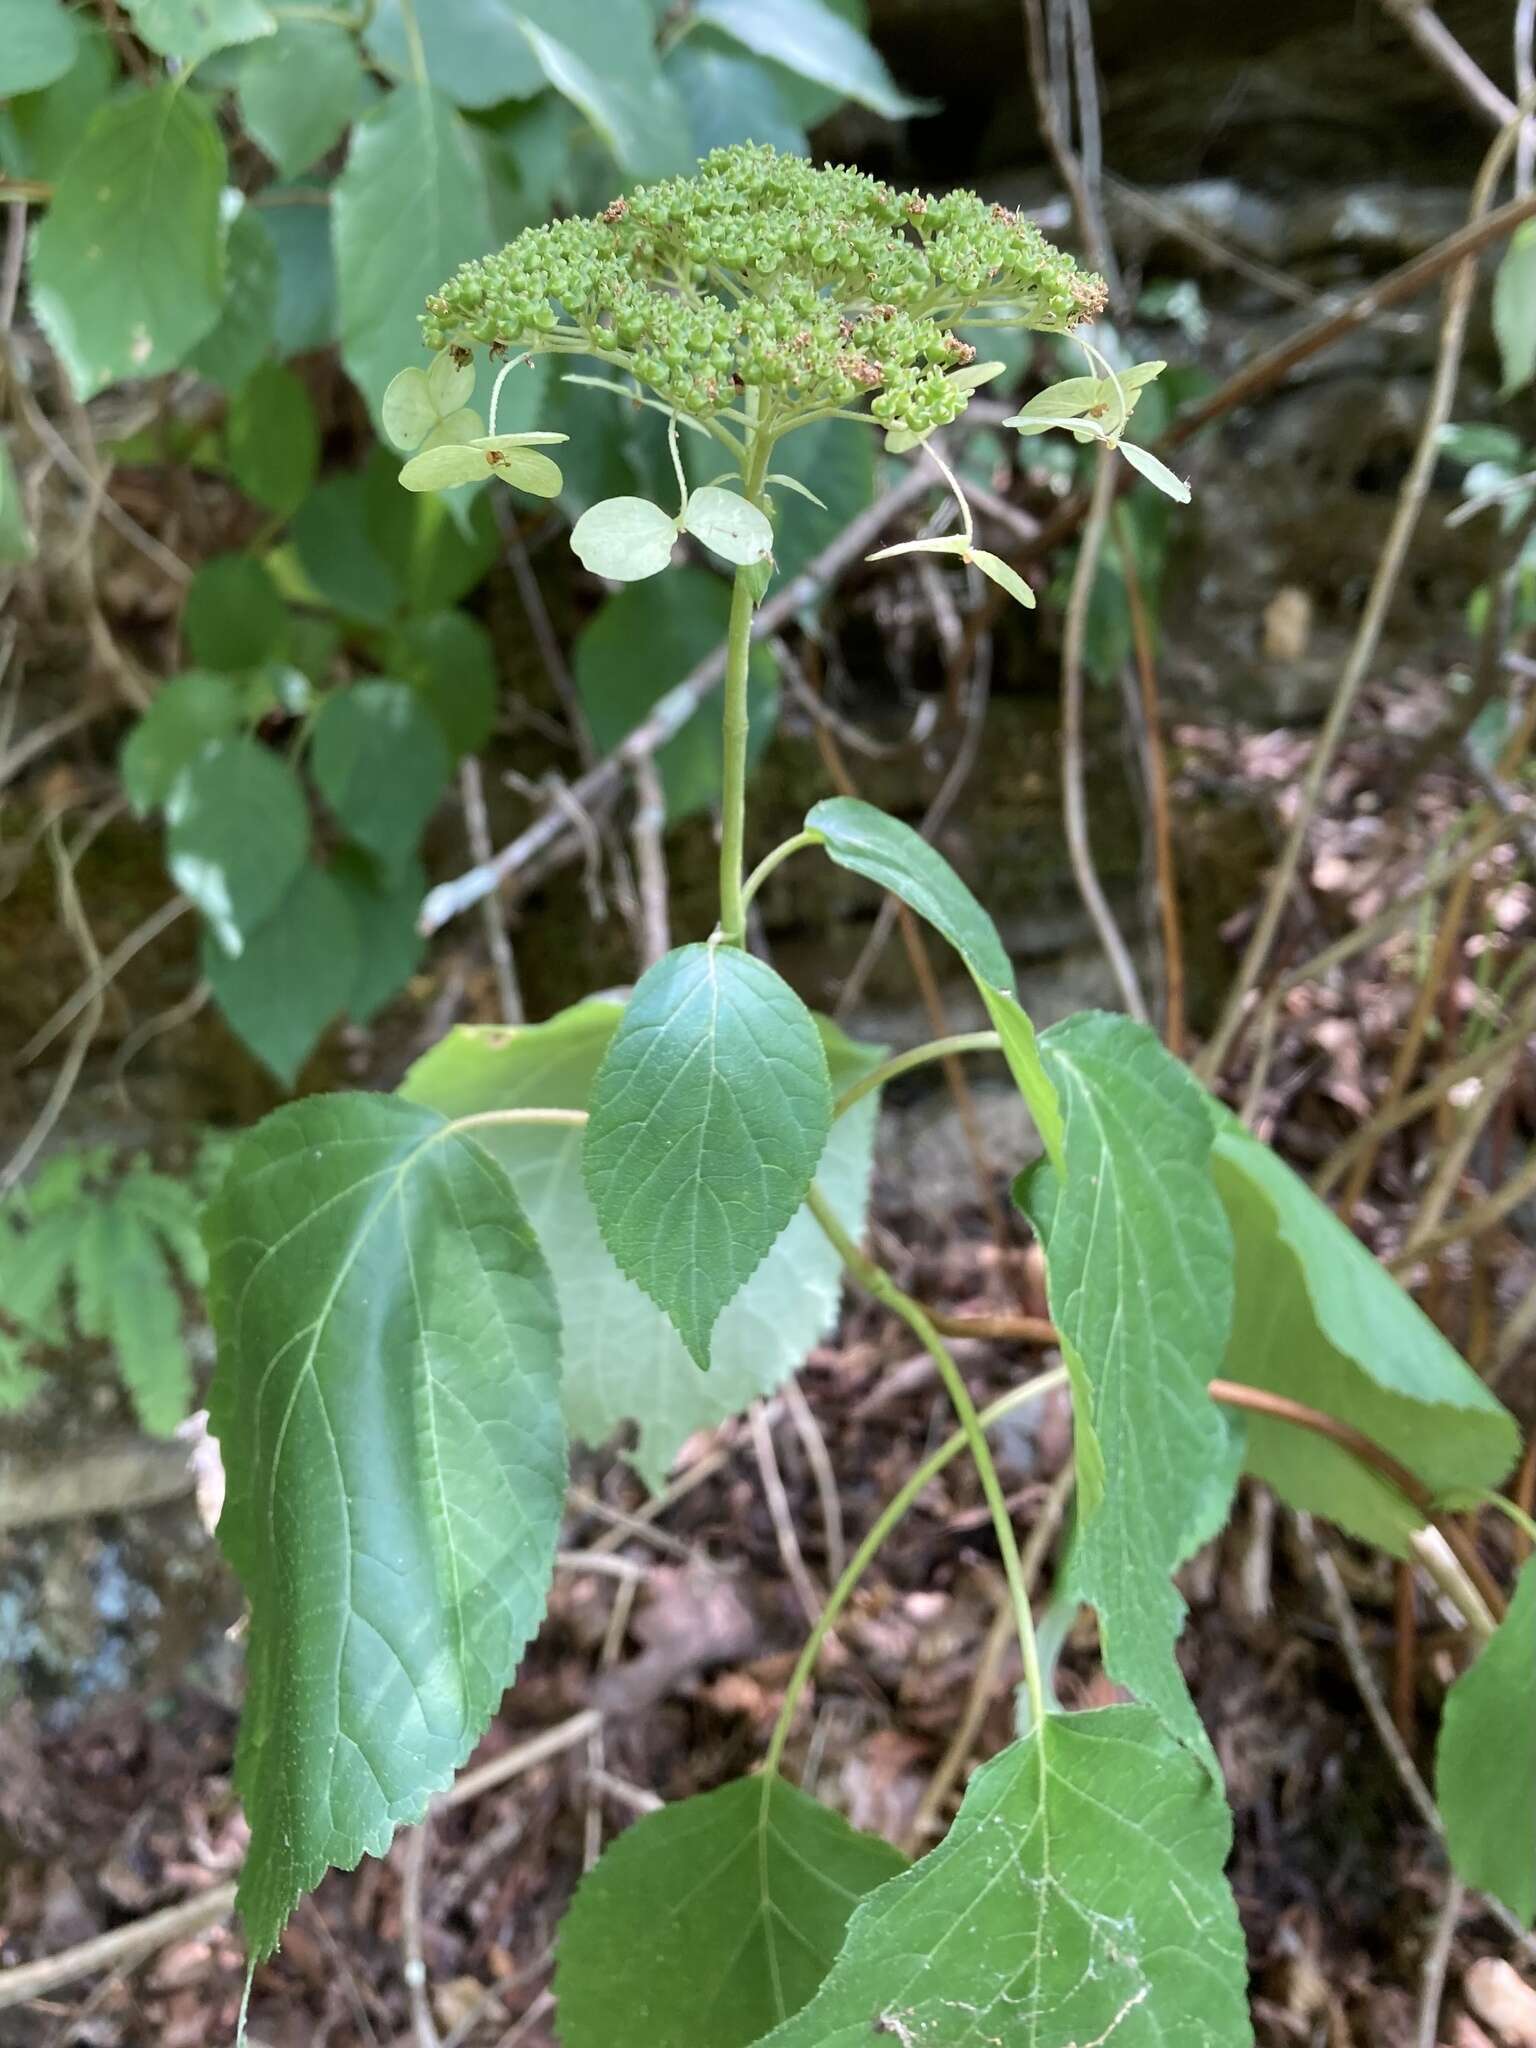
pixel 1424 27
pixel 646 830
pixel 1156 770
pixel 1483 1215
pixel 1006 1328
pixel 418 1840
pixel 498 941
pixel 1437 1958
pixel 814 1444
pixel 807 1592
pixel 102 975
pixel 1089 224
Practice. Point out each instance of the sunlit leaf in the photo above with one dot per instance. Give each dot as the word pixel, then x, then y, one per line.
pixel 1006 578
pixel 293 975
pixel 815 43
pixel 237 832
pixel 1146 464
pixel 624 539
pixel 192 29
pixel 381 762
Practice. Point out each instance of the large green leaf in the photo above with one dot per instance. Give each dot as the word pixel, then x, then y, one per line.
pixel 729 97
pixel 449 658
pixel 294 974
pixel 1139 1275
pixel 298 90
pixel 1318 1319
pixel 273 440
pixel 237 834
pixel 183 716
pixel 476 53
pixel 40 131
pixel 244 330
pixel 41 44
pixel 709 1117
pixel 1077 1899
pixel 617 83
pixel 128 265
pixel 814 43
pixel 380 760
pixel 193 30
pixel 712 1920
pixel 1514 308
pixel 234 616
pixel 868 842
pixel 624 1362
pixel 410 207
pixel 305 316
pixel 1485 1760
pixel 387 1397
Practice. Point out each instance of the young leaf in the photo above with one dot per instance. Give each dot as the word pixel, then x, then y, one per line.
pixel 624 1362
pixel 792 483
pixel 1078 1898
pixel 712 1920
pixel 1146 464
pixel 940 544
pixel 389 1370
pixel 998 571
pixel 1485 1760
pixel 444 467
pixel 1139 1275
pixel 243 333
pixel 867 842
pixel 234 616
pixel 192 30
pixel 183 716
pixel 408 412
pixel 626 539
pixel 274 444
pixel 384 906
pixel 1318 1319
pixel 41 43
pixel 709 1115
pixel 299 91
pixel 813 42
pixel 1514 309
pixel 380 761
pixel 509 457
pixel 728 525
pixel 128 264
pixel 293 975
pixel 449 658
pixel 237 833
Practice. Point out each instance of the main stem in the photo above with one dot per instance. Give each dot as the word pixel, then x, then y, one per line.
pixel 738 656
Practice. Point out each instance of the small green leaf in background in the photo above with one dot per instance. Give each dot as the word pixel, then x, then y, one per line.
pixel 712 1920
pixel 183 716
pixel 40 131
pixel 728 98
pixel 41 43
pixel 381 762
pixel 272 438
pixel 709 1116
pixel 679 623
pixel 128 264
pixel 1138 1262
pixel 389 1368
pixel 237 833
pixel 1514 309
pixel 246 323
pixel 124 1295
pixel 300 231
pixel 867 842
pixel 625 539
pixel 409 207
pixel 1485 1760
pixel 193 30
pixel 475 52
pixel 338 556
pixel 1317 1318
pixel 839 468
pixel 16 543
pixel 449 658
pixel 384 905
pixel 299 91
pixel 234 616
pixel 624 1362
pixel 293 976
pixel 813 42
pixel 624 94
pixel 728 525
pixel 1078 1897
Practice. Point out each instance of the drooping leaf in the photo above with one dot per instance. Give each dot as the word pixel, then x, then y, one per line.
pixel 234 616
pixel 1147 464
pixel 299 90
pixel 1514 309
pixel 1318 1319
pixel 475 52
pixel 997 571
pixel 193 30
pixel 1485 1760
pixel 709 1115
pixel 626 539
pixel 243 332
pixel 389 1371
pixel 237 832
pixel 1139 1275
pixel 274 443
pixel 630 104
pixel 678 623
pixel 183 716
pixel 624 1362
pixel 728 525
pixel 729 97
pixel 16 543
pixel 380 761
pixel 125 1296
pixel 712 1920
pixel 385 904
pixel 868 842
pixel 813 42
pixel 449 658
pixel 41 43
pixel 293 976
pixel 128 264
pixel 1078 1898
pixel 409 207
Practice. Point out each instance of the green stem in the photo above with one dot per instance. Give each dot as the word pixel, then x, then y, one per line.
pixel 1516 1514
pixel 919 1056
pixel 481 1117
pixel 874 1280
pixel 770 861
pixel 882 1526
pixel 733 777
pixel 413 42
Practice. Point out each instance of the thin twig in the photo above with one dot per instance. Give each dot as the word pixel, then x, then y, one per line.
pixel 810 1596
pixel 545 638
pixel 814 1444
pixel 413 1864
pixel 477 830
pixel 1437 1958
pixel 10 264
pixel 102 975
pixel 646 830
pixel 1482 1216
pixel 1089 225
pixel 1424 27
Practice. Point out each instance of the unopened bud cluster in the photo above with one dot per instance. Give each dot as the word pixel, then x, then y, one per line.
pixel 816 287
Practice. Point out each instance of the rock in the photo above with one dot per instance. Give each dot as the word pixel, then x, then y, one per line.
pixel 1502 2000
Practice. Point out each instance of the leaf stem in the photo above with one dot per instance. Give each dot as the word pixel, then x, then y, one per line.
pixel 413 42
pixel 920 1055
pixel 967 524
pixel 481 1117
pixel 1522 1521
pixel 734 722
pixel 770 861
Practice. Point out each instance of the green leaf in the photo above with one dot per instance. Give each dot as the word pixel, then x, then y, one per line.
pixel 385 905
pixel 475 52
pixel 128 265
pixel 243 333
pixel 337 553
pixel 839 467
pixel 299 90
pixel 237 834
pixel 678 623
pixel 379 759
pixel 630 104
pixel 449 658
pixel 41 44
pixel 124 1295
pixel 1078 1898
pixel 998 571
pixel 1139 1275
pixel 387 1396
pixel 293 976
pixel 512 461
pixel 1146 464
pixel 626 539
pixel 940 544
pixel 1485 1760
pixel 416 400
pixel 444 468
pixel 273 441
pixel 183 716
pixel 813 42
pixel 300 232
pixel 410 206
pixel 1514 309
pixel 17 546
pixel 40 131
pixel 709 1115
pixel 728 525
pixel 435 555
pixel 234 616
pixel 194 29
pixel 728 98
pixel 1318 1319
pixel 867 842
pixel 171 1210
pixel 712 1920
pixel 623 1360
